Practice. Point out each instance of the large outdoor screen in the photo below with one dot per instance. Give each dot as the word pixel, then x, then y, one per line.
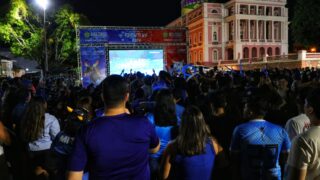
pixel 136 60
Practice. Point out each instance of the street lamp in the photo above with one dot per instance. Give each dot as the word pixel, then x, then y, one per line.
pixel 44 4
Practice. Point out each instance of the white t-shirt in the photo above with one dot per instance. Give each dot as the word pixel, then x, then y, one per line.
pixel 297 125
pixel 305 152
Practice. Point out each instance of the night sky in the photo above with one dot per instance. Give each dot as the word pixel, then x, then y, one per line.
pixel 127 13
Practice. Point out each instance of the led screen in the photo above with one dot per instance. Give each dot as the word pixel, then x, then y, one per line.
pixel 137 60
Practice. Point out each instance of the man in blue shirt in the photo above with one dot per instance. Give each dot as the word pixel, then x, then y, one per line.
pixel 114 146
pixel 256 145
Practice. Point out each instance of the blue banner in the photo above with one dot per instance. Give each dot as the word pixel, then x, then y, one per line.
pixel 93 65
pixel 122 36
pixel 90 36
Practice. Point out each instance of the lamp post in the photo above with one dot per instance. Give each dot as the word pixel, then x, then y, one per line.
pixel 44 4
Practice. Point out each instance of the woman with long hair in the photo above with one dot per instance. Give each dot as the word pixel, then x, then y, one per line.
pixel 38 129
pixel 193 153
pixel 165 120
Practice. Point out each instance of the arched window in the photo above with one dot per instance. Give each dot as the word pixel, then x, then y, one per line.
pixel 215 55
pixel 230 54
pixel 214 11
pixel 277 51
pixel 269 51
pixel 262 52
pixel 245 53
pixel 254 52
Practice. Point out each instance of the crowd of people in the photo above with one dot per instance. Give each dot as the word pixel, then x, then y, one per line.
pixel 259 124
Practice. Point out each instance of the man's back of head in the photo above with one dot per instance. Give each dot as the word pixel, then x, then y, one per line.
pixel 114 91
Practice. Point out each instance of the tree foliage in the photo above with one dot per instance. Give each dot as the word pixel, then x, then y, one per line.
pixel 63 38
pixel 21 28
pixel 305 23
pixel 18 29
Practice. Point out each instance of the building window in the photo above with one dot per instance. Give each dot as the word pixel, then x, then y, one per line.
pixel 277 51
pixel 269 51
pixel 261 10
pixel 262 52
pixel 231 31
pixel 277 11
pixel 245 53
pixel 200 37
pixel 214 11
pixel 254 52
pixel 242 26
pixel 269 11
pixel 215 55
pixel 231 11
pixel 215 37
pixel 253 10
pixel 243 9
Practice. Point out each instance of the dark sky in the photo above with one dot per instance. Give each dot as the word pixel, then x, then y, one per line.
pixel 127 12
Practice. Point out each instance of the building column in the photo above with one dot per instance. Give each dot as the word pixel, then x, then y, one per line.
pixel 237 30
pixel 272 31
pixel 225 32
pixel 206 43
pixel 257 30
pixel 249 30
pixel 282 31
pixel 265 30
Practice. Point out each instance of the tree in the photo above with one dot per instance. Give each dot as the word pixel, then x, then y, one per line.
pixel 21 28
pixel 63 38
pixel 305 23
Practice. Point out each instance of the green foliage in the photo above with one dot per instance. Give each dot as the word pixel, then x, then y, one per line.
pixel 65 33
pixel 305 23
pixel 21 28
pixel 17 31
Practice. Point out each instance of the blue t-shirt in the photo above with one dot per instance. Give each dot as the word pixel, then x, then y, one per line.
pixel 63 144
pixel 259 144
pixel 115 147
pixel 164 134
pixel 194 167
pixel 159 85
pixel 179 112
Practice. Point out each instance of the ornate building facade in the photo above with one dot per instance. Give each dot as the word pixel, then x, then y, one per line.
pixel 238 29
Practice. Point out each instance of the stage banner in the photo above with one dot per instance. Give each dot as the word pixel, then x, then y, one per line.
pixel 161 36
pixel 91 36
pixel 93 65
pixel 175 54
pixel 122 36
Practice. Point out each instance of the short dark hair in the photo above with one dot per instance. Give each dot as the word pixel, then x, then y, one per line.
pixel 314 101
pixel 258 103
pixel 114 90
